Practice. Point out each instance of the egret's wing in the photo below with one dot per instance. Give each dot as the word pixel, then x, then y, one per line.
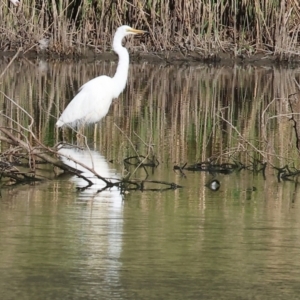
pixel 91 103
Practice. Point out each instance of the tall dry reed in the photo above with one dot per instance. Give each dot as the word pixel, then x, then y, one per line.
pixel 240 27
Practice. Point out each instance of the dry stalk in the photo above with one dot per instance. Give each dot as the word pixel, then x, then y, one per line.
pixel 141 163
pixel 262 153
pixel 205 27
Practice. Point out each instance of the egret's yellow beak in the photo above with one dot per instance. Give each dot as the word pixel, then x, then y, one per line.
pixel 136 31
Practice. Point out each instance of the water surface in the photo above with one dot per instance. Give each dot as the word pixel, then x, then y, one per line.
pixel 240 242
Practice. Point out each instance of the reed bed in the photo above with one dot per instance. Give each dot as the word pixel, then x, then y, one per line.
pixel 184 115
pixel 203 27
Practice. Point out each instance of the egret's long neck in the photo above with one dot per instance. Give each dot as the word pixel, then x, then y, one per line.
pixel 120 77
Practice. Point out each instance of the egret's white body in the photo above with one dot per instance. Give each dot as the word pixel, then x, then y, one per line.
pixel 92 102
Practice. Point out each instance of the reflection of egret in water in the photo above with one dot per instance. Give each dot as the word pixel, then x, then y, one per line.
pixel 96 161
pixel 102 225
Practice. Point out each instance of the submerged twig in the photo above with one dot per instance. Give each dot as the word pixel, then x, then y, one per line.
pixel 296 123
pixel 142 161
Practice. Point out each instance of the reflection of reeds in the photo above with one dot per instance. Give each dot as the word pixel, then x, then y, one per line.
pixel 175 108
pixel 206 27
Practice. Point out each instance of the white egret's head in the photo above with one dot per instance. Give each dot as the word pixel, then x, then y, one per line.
pixel 126 30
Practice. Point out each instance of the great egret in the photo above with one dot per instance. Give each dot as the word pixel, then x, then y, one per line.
pixel 92 102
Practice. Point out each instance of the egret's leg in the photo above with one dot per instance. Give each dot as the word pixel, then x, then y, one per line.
pixel 80 136
pixel 95 133
pixel 60 134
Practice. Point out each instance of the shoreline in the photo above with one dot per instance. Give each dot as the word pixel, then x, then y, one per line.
pixel 168 58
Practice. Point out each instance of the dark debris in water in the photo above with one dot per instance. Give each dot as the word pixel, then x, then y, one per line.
pixel 211 167
pixel 11 161
pixel 224 168
pixel 15 176
pixel 286 174
pixel 148 185
pixel 142 161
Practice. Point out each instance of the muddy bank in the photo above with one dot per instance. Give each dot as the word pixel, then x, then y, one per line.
pixel 165 57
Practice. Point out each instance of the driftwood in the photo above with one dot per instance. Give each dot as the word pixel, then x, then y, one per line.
pixel 33 156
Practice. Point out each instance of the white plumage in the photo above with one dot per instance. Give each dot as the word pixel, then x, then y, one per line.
pixel 92 102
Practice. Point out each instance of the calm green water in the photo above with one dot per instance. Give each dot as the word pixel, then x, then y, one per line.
pixel 237 243
pixel 193 243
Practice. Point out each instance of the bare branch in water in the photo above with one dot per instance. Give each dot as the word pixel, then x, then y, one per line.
pixel 295 118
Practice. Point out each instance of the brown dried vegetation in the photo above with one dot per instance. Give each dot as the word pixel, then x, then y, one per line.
pixel 203 29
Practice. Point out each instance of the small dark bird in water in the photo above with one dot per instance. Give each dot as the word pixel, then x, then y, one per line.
pixel 213 185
